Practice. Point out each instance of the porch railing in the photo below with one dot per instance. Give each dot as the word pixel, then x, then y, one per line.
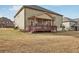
pixel 42 28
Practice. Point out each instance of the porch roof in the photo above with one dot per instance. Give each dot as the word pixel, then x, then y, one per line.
pixel 38 18
pixel 43 16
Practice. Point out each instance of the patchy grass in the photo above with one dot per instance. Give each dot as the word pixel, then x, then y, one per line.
pixel 15 41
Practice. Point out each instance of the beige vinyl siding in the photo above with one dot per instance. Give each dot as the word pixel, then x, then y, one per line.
pixel 58 21
pixel 67 25
pixel 32 12
pixel 29 13
pixel 19 20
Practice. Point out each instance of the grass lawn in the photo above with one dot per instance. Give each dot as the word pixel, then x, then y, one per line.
pixel 15 41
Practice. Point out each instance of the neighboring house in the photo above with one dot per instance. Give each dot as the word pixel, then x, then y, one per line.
pixel 69 24
pixel 6 23
pixel 77 20
pixel 35 18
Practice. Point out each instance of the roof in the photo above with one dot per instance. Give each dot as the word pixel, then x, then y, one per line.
pixel 77 19
pixel 47 16
pixel 40 16
pixel 66 19
pixel 37 8
pixel 6 21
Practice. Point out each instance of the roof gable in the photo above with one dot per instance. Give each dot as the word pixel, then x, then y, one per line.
pixel 37 8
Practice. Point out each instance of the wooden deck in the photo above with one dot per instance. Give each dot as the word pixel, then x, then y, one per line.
pixel 42 28
pixel 41 24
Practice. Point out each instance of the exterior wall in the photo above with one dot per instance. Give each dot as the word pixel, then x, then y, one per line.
pixel 19 20
pixel 78 22
pixel 58 21
pixel 78 25
pixel 67 25
pixel 31 12
pixel 72 23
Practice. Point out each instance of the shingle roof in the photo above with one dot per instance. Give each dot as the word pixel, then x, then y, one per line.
pixel 37 8
pixel 66 19
pixel 77 19
pixel 6 21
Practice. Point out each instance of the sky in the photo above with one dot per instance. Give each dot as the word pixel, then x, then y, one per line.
pixel 9 11
pixel 71 11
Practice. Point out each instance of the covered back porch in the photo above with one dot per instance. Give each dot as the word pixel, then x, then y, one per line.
pixel 41 24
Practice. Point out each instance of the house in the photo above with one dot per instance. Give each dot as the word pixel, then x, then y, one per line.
pixel 69 24
pixel 6 23
pixel 35 18
pixel 77 20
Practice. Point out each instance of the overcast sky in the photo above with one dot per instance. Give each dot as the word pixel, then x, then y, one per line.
pixel 71 11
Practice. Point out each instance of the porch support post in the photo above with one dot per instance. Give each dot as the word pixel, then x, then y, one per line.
pixel 34 21
pixel 34 24
pixel 51 22
pixel 52 25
